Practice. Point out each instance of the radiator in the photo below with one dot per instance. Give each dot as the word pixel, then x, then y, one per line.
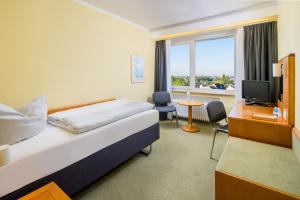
pixel 199 112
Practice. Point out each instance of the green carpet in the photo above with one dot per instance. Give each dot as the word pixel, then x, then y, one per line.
pixel 178 168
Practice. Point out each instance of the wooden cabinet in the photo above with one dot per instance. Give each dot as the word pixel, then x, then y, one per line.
pixel 243 125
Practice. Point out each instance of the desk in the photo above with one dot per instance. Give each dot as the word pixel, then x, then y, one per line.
pixel 189 127
pixel 242 125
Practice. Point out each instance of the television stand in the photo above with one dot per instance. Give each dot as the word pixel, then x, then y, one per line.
pixel 260 103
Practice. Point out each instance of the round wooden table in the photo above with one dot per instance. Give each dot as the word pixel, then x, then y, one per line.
pixel 189 127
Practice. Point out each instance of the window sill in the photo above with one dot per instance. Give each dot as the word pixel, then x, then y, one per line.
pixel 205 91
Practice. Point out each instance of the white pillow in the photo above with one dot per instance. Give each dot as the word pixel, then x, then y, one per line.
pixel 37 107
pixel 23 123
pixel 8 112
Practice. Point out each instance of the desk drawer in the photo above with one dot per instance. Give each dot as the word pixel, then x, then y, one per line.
pixel 261 132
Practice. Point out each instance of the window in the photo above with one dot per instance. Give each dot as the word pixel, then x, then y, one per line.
pixel 203 64
pixel 215 63
pixel 180 62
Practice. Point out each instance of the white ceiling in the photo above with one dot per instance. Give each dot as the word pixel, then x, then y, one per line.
pixel 155 14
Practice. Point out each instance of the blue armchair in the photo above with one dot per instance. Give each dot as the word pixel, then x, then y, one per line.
pixel 161 101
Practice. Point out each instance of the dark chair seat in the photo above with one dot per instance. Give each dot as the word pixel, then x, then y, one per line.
pixel 165 109
pixel 216 112
pixel 223 128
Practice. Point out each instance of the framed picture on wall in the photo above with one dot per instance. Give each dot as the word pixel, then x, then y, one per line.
pixel 137 69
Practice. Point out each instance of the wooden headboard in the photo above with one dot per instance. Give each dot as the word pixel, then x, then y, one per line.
pixel 58 109
pixel 288 94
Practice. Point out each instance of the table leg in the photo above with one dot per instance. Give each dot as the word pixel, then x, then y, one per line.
pixel 190 128
pixel 190 116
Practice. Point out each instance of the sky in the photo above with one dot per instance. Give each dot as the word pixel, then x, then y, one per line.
pixel 213 57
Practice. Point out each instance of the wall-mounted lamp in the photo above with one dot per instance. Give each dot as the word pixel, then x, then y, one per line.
pixel 277 70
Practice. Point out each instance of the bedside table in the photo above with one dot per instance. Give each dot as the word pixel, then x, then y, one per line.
pixel 50 191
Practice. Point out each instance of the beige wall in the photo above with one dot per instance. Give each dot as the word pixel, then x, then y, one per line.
pixel 69 52
pixel 289 41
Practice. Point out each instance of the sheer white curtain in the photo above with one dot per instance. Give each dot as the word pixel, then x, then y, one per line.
pixel 169 83
pixel 239 62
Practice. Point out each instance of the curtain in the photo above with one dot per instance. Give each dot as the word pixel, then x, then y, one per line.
pixel 160 79
pixel 260 52
pixel 239 63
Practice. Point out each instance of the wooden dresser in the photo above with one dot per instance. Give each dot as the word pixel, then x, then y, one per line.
pixel 243 125
pixel 233 185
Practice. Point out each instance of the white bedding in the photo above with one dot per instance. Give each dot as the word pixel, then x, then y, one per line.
pixel 22 123
pixel 54 149
pixel 93 116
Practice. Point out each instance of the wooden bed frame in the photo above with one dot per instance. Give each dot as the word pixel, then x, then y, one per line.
pixel 79 175
pixel 63 108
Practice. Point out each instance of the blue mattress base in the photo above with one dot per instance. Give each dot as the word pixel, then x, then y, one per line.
pixel 84 172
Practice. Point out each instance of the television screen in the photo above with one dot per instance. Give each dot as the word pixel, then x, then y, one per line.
pixel 256 90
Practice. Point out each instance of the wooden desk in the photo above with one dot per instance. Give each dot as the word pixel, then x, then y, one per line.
pixel 189 127
pixel 50 191
pixel 241 124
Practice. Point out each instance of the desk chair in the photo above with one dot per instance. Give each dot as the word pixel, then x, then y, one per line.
pixel 161 101
pixel 216 112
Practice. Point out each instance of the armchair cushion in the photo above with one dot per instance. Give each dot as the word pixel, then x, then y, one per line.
pixel 165 109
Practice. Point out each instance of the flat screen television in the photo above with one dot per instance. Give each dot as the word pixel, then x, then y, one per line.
pixel 256 92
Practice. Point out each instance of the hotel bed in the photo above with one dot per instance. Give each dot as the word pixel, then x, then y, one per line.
pixel 74 161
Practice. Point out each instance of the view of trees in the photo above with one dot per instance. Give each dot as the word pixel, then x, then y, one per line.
pixel 225 82
pixel 180 80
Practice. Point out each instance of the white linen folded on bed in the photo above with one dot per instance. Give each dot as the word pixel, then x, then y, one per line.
pixel 90 117
pixel 22 123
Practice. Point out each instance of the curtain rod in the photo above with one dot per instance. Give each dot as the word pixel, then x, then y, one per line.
pixel 219 28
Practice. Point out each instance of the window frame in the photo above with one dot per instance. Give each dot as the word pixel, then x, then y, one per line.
pixel 191 41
